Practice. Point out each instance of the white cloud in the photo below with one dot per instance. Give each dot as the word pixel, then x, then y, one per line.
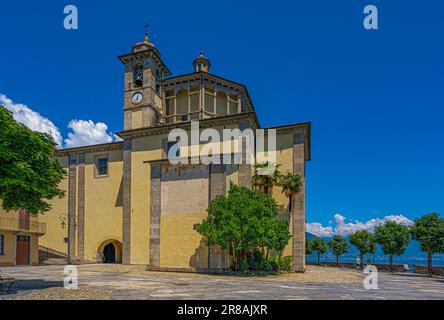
pixel 31 119
pixel 86 132
pixel 344 228
pixel 318 230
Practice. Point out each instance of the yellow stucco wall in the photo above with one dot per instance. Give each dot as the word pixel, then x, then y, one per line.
pixel 34 249
pixel 103 207
pixel 103 202
pixel 143 149
pixel 55 232
pixel 180 245
pixel 284 157
pixel 9 223
pixel 8 258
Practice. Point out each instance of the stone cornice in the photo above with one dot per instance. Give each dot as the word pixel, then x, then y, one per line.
pixel 297 127
pixel 89 149
pixel 203 124
pixel 206 76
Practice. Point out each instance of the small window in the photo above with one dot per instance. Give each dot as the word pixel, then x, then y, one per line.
pixel 65 240
pixel 102 166
pixel 2 245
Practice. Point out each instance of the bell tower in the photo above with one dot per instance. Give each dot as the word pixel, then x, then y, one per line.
pixel 144 72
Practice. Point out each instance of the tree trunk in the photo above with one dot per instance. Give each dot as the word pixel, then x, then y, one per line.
pixel 337 260
pixel 429 262
pixel 319 258
pixel 234 257
pixel 391 263
pixel 361 256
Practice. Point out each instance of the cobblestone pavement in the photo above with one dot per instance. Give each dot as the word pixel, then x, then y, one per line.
pixel 99 282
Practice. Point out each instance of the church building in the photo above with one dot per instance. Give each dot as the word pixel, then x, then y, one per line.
pixel 126 203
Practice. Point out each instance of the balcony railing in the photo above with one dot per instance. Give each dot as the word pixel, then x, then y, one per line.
pixel 183 117
pixel 13 224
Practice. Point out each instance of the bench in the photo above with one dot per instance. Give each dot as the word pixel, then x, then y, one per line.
pixel 6 284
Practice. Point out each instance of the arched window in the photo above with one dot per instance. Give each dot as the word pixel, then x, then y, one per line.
pixel 209 100
pixel 221 104
pixel 182 102
pixel 233 104
pixel 158 80
pixel 194 99
pixel 138 75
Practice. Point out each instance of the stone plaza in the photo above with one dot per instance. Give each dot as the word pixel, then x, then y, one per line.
pixel 135 283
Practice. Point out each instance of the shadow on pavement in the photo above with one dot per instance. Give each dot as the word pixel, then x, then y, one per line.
pixel 34 284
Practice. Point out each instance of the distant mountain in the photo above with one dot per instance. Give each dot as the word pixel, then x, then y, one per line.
pixel 412 255
pixel 309 236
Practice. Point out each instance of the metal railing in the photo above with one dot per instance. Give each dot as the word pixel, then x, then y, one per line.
pixel 13 224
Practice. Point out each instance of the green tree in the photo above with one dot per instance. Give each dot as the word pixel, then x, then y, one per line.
pixel 29 174
pixel 276 236
pixel 429 231
pixel 320 246
pixel 246 222
pixel 291 184
pixel 266 176
pixel 393 239
pixel 365 242
pixel 308 247
pixel 339 246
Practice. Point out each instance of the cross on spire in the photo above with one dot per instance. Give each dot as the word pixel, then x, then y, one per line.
pixel 146 31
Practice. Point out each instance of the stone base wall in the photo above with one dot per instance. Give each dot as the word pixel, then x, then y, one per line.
pixel 438 271
pixel 352 265
pixel 189 270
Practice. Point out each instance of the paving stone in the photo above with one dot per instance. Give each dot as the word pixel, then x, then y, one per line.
pixel 133 282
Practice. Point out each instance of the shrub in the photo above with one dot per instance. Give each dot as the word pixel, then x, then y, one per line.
pixel 245 222
pixel 257 262
pixel 243 265
pixel 285 263
pixel 274 266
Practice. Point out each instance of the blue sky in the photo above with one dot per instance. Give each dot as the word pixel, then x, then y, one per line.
pixel 375 98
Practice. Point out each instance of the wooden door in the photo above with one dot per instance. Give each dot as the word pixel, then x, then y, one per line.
pixel 22 250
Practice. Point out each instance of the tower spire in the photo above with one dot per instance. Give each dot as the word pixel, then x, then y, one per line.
pixel 146 32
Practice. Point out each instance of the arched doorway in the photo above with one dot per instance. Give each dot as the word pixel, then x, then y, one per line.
pixel 109 253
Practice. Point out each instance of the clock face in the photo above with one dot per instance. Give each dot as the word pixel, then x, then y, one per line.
pixel 137 98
